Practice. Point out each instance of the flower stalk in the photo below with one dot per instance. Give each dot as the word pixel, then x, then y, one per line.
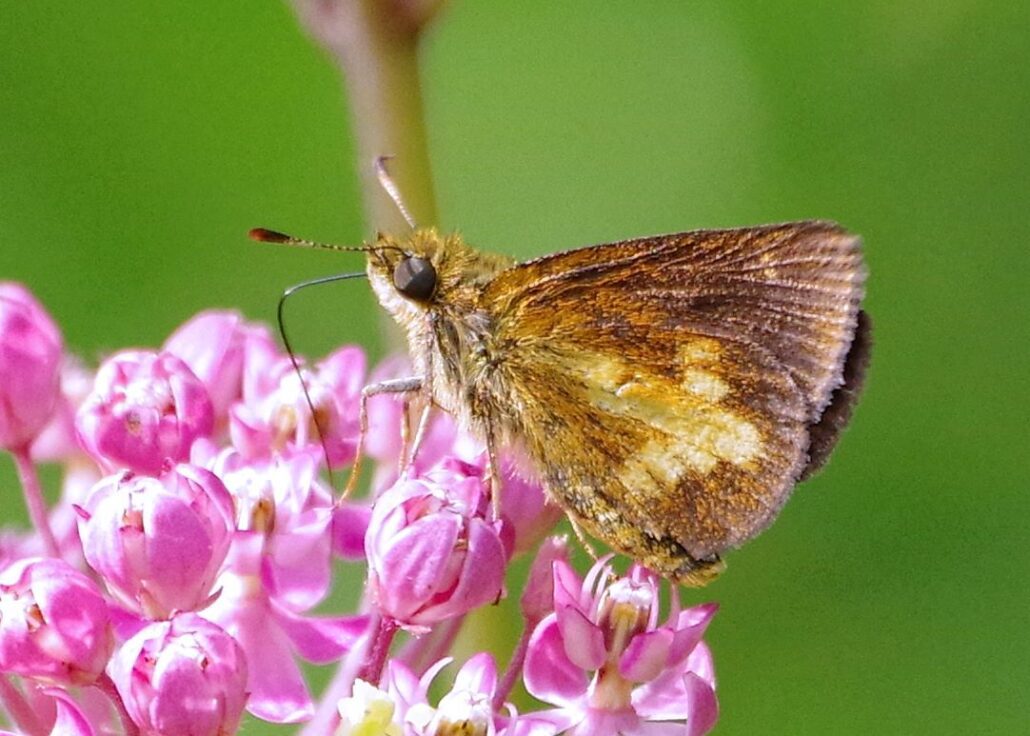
pixel 106 685
pixel 34 501
pixel 380 650
pixel 18 710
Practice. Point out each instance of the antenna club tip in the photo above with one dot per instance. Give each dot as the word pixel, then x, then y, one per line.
pixel 263 235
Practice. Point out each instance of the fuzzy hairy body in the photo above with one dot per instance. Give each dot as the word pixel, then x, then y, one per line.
pixel 670 391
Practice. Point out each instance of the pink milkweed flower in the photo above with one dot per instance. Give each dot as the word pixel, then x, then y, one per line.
pixel 30 360
pixel 467 708
pixel 281 501
pixel 212 345
pixel 158 542
pixel 272 634
pixel 611 668
pixel 146 409
pixel 184 676
pixel 54 623
pixel 432 552
pixel 274 415
pixel 277 569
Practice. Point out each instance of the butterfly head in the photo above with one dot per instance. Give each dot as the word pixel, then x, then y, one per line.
pixel 407 269
pixel 425 271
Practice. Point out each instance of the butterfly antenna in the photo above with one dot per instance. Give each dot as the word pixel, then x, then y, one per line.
pixel 390 187
pixel 263 235
pixel 289 347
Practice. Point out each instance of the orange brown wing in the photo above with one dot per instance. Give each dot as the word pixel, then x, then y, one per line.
pixel 665 385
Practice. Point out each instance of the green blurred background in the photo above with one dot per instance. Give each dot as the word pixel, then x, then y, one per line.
pixel 139 142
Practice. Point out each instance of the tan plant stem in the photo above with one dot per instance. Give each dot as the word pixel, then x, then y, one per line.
pixel 375 43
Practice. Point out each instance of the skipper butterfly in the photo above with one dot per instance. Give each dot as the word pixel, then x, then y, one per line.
pixel 670 390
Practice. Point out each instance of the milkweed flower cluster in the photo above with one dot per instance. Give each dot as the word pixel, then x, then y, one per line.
pixel 172 588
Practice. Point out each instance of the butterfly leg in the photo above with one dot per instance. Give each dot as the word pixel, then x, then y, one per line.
pixel 493 472
pixel 392 386
pixel 420 434
pixel 402 456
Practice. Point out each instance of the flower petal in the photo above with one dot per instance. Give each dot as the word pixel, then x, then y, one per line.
pixel 409 572
pixel 702 706
pixel 478 675
pixel 278 692
pixel 185 702
pixel 584 641
pixel 646 655
pixel 567 584
pixel 690 627
pixel 320 639
pixel 350 522
pixel 663 697
pixel 71 721
pixel 549 674
pixel 702 664
pixel 299 570
pixel 480 580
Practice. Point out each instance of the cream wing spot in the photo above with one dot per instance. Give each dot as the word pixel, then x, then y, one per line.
pixel 705 385
pixel 700 350
pixel 688 429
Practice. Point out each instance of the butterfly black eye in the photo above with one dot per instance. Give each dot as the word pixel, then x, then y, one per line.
pixel 415 278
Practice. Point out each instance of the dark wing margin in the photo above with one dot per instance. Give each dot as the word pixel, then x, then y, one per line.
pixel 823 435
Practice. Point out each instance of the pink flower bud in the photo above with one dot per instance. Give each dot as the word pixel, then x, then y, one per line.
pixel 211 344
pixel 54 623
pixel 30 360
pixel 158 543
pixel 432 554
pixel 184 676
pixel 145 409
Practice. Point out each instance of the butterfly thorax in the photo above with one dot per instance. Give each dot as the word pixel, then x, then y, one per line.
pixel 449 333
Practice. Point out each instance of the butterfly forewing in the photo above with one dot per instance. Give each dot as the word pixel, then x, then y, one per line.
pixel 665 385
pixel 793 289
